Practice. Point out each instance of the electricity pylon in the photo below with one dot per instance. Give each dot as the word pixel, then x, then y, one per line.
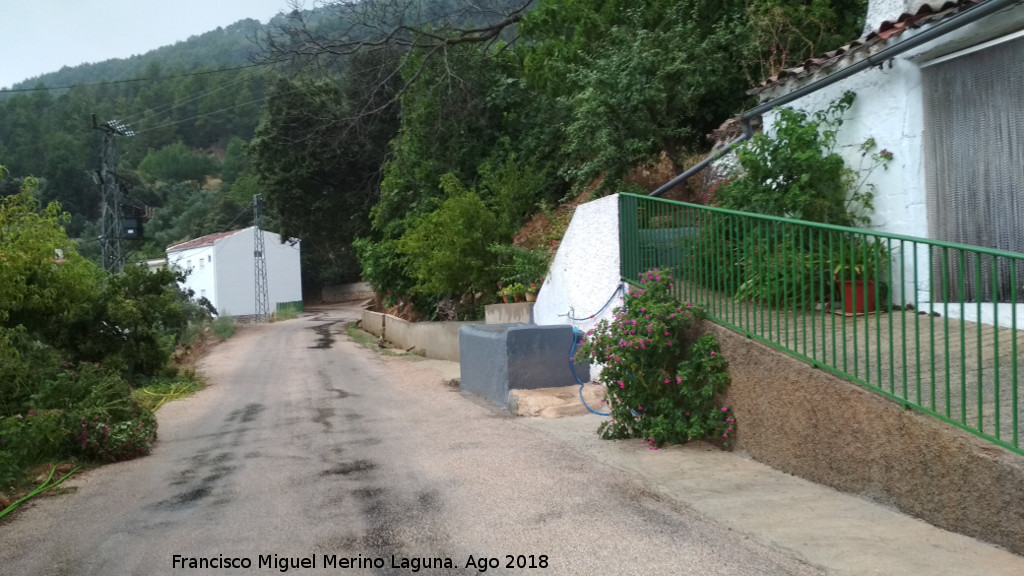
pixel 259 253
pixel 112 220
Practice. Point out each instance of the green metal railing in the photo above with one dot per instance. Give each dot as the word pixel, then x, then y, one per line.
pixel 930 324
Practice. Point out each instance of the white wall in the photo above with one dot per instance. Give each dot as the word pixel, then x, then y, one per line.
pixel 236 276
pixel 201 278
pixel 225 272
pixel 236 273
pixel 580 285
pixel 888 109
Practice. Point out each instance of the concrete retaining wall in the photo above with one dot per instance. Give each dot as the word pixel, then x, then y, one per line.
pixel 373 322
pixel 818 426
pixel 521 313
pixel 439 340
pixel 346 292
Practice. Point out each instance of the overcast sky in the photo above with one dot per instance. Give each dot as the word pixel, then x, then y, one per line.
pixel 41 36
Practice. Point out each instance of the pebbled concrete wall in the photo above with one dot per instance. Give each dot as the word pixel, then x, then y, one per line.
pixel 809 423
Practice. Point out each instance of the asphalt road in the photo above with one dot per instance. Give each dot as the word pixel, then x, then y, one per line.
pixel 306 448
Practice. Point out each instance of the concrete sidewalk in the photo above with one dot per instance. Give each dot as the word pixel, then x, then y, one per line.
pixel 838 532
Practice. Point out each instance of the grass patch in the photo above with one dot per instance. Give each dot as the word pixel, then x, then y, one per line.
pixel 361 337
pixel 159 391
pixel 286 313
pixel 367 340
pixel 224 328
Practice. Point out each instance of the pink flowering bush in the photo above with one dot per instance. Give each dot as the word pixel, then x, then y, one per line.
pixel 77 411
pixel 97 437
pixel 663 378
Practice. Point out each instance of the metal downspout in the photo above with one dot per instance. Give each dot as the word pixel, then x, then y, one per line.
pixel 944 27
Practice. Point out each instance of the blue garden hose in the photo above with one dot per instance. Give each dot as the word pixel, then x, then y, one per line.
pixel 576 337
pixel 621 288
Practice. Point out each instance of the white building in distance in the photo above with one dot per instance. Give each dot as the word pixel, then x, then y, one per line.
pixel 222 268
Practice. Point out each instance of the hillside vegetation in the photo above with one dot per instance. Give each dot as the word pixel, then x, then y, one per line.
pixel 407 142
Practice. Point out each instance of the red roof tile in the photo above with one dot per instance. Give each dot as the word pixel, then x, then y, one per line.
pixel 207 240
pixel 889 29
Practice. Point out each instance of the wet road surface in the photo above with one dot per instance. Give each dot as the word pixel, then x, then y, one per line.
pixel 309 450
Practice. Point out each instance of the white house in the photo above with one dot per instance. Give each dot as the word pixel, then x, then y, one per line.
pixel 222 268
pixel 949 110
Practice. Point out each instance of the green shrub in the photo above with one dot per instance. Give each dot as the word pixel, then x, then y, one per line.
pixel 223 327
pixel 796 172
pixel 24 364
pixel 782 267
pixel 663 379
pixel 86 385
pixel 384 268
pixel 710 258
pixel 10 472
pixel 516 264
pixel 192 334
pixel 147 305
pixel 284 313
pixel 36 292
pixel 33 437
pixel 448 248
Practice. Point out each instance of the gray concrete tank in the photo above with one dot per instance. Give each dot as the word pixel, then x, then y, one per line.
pixel 496 358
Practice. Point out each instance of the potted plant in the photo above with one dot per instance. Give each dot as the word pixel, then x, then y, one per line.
pixel 503 293
pixel 531 292
pixel 517 291
pixel 857 265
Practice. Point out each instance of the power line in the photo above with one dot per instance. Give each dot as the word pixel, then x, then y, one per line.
pixel 204 114
pixel 130 80
pixel 146 114
pixel 245 210
pixel 260 99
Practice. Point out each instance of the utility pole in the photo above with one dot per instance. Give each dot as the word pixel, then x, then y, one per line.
pixel 259 253
pixel 112 220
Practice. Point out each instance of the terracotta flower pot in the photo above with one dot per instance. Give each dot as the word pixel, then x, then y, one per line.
pixel 858 296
